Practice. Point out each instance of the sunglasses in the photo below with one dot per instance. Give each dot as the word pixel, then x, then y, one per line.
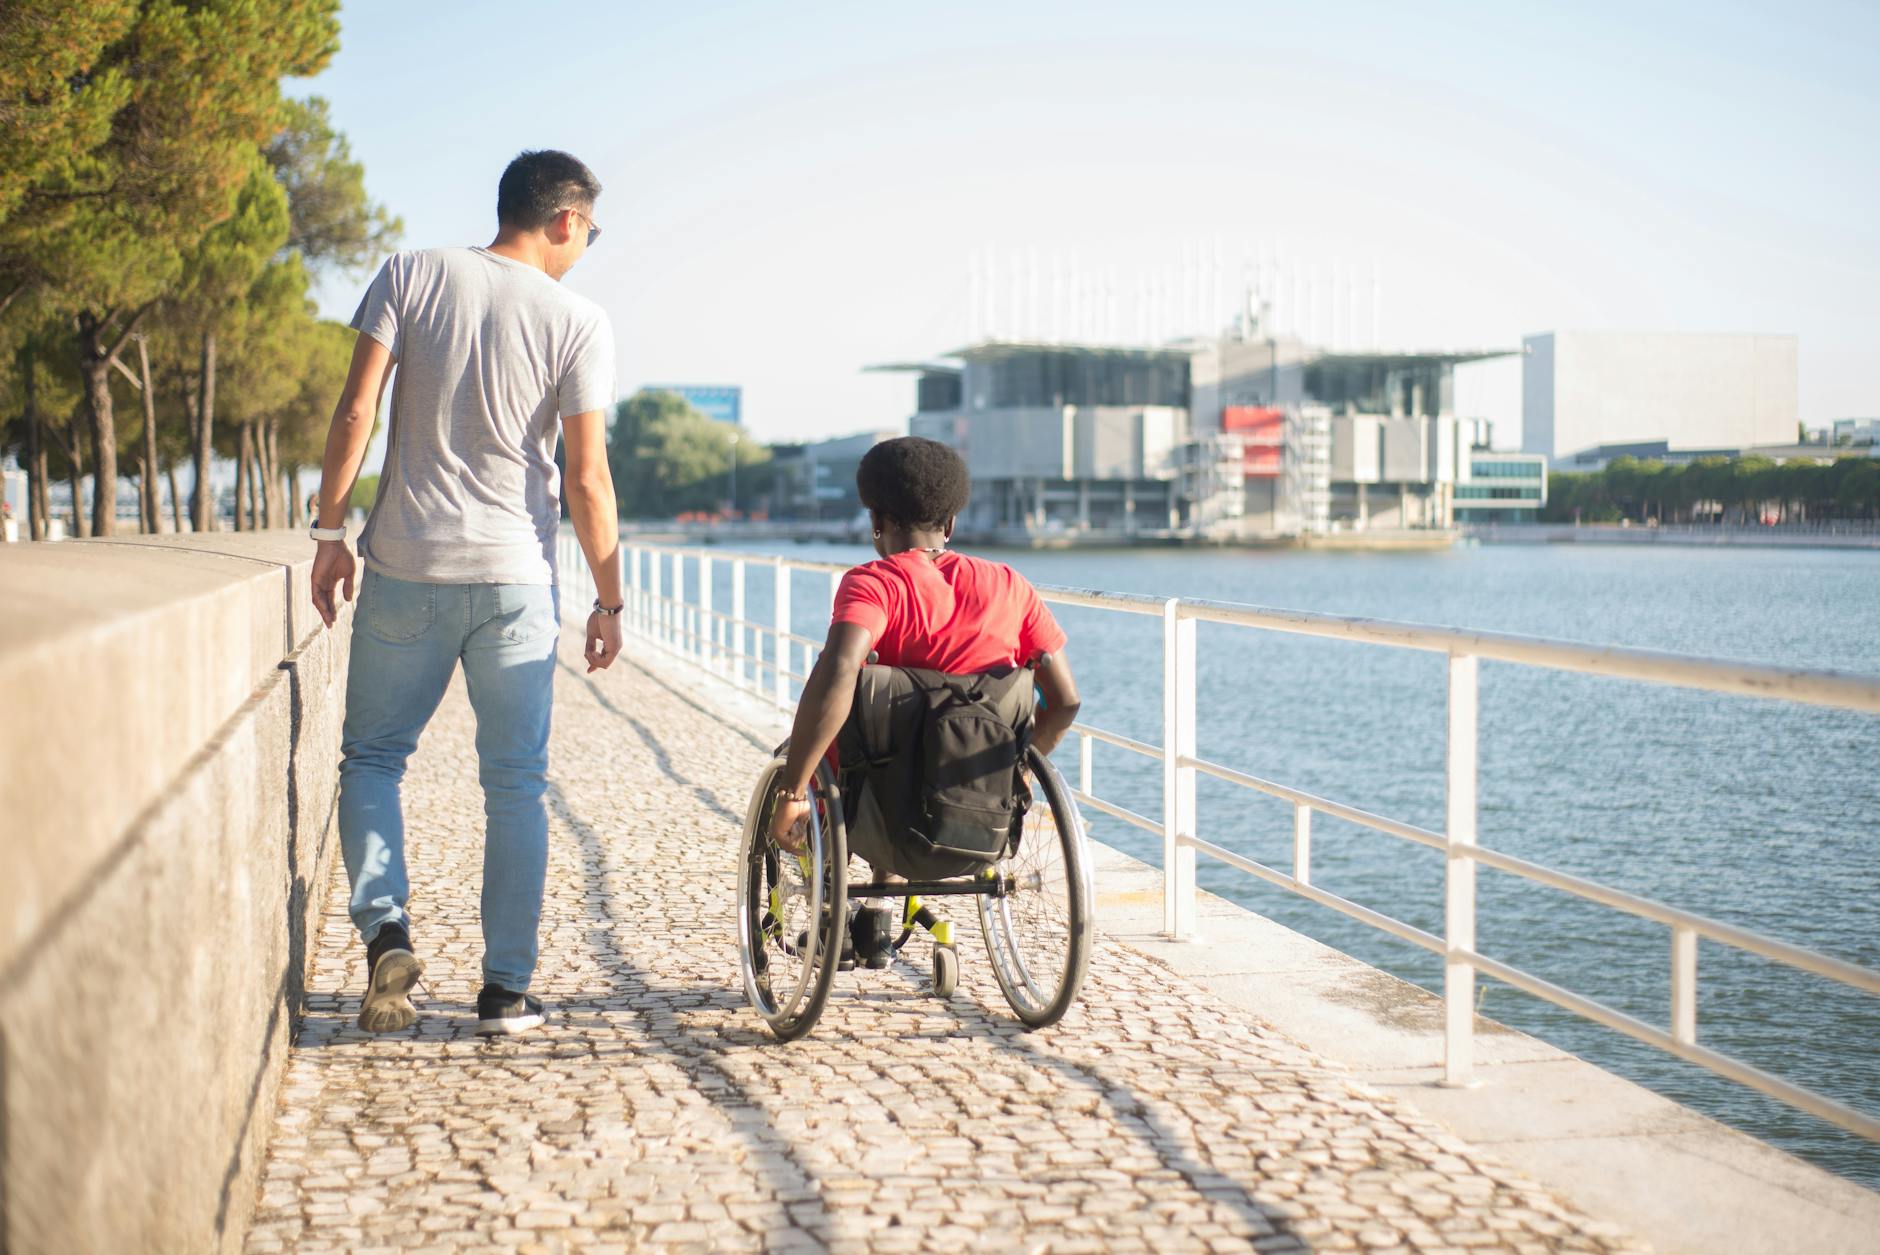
pixel 594 232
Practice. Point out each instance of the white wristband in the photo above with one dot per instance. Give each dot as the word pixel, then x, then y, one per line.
pixel 327 533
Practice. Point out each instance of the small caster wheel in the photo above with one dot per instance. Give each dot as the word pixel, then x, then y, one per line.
pixel 946 971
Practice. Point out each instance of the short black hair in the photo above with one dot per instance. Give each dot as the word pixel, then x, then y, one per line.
pixel 539 185
pixel 913 481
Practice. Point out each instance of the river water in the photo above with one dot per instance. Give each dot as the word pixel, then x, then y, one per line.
pixel 1763 814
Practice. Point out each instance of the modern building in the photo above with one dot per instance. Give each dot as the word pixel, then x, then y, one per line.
pixel 817 480
pixel 1370 439
pixel 1502 488
pixel 1240 436
pixel 722 403
pixel 1586 392
pixel 1061 437
pixel 1854 431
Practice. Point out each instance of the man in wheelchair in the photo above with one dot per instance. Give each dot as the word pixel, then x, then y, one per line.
pixel 944 628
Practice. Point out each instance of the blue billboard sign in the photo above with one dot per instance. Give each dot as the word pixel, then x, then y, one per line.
pixel 723 403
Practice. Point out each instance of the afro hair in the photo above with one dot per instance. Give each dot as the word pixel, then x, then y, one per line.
pixel 913 481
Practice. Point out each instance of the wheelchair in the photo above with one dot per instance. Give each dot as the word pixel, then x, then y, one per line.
pixel 1034 903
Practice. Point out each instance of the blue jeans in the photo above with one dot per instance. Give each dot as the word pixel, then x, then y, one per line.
pixel 406 641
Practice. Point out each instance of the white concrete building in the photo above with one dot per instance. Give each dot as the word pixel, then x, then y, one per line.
pixel 816 480
pixel 1581 391
pixel 1060 437
pixel 1226 437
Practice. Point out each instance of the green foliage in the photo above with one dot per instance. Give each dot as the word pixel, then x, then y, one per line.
pixel 1858 491
pixel 1717 490
pixel 56 100
pixel 667 458
pixel 169 102
pixel 264 340
pixel 56 396
pixel 365 492
pixel 325 355
pixel 226 262
pixel 131 170
pixel 332 222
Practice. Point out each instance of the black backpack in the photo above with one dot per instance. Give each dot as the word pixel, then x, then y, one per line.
pixel 930 768
pixel 968 745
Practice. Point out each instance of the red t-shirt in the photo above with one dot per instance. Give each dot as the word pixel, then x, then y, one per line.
pixel 949 613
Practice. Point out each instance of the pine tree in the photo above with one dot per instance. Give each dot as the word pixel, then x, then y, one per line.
pixel 265 335
pixel 58 98
pixel 217 276
pixel 333 224
pixel 192 92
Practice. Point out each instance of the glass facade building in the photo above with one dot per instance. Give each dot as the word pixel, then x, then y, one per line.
pixel 1502 488
pixel 722 403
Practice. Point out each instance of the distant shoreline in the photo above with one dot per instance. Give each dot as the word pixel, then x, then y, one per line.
pixel 1379 540
pixel 1701 537
pixel 1020 540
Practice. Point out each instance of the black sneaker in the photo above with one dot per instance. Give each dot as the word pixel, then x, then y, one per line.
pixel 392 970
pixel 501 1013
pixel 844 961
pixel 873 932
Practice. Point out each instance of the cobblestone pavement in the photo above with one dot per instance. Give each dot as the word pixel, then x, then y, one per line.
pixel 654 1112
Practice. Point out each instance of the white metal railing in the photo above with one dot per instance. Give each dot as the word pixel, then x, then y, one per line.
pixel 729 644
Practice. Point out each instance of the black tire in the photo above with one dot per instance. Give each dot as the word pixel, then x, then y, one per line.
pixel 773 926
pixel 1038 936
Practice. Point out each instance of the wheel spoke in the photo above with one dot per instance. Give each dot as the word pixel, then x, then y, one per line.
pixel 786 925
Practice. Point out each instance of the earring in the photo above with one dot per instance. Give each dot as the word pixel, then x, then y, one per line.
pixel 877 533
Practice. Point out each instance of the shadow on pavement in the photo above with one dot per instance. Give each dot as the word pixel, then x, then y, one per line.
pixel 694 1049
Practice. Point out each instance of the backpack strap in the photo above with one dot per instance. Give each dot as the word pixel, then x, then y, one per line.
pixel 875 692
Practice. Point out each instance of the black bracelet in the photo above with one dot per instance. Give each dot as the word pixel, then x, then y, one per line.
pixel 600 609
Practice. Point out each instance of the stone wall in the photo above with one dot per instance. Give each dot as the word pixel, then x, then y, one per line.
pixel 169 730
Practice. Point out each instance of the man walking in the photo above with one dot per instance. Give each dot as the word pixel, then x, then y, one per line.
pixel 494 358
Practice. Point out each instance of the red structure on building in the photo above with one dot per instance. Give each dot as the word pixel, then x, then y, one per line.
pixel 1262 432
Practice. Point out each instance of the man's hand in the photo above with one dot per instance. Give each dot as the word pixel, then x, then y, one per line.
pixel 603 641
pixel 332 567
pixel 789 825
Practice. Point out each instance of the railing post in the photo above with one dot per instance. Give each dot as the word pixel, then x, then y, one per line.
pixel 780 648
pixel 1178 779
pixel 564 574
pixel 679 641
pixel 1302 843
pixel 636 592
pixel 1085 772
pixel 1459 874
pixel 571 573
pixel 707 622
pixel 636 581
pixel 1683 984
pixel 738 670
pixel 655 602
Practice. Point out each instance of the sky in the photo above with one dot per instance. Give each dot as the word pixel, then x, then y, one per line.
pixel 796 192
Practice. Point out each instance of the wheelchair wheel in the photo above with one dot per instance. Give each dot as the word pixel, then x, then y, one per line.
pixel 1039 934
pixel 946 971
pixel 792 908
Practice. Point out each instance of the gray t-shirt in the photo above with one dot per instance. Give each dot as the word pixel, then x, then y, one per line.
pixel 492 354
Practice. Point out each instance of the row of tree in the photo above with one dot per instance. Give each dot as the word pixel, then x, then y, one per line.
pixel 1747 490
pixel 164 210
pixel 668 459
